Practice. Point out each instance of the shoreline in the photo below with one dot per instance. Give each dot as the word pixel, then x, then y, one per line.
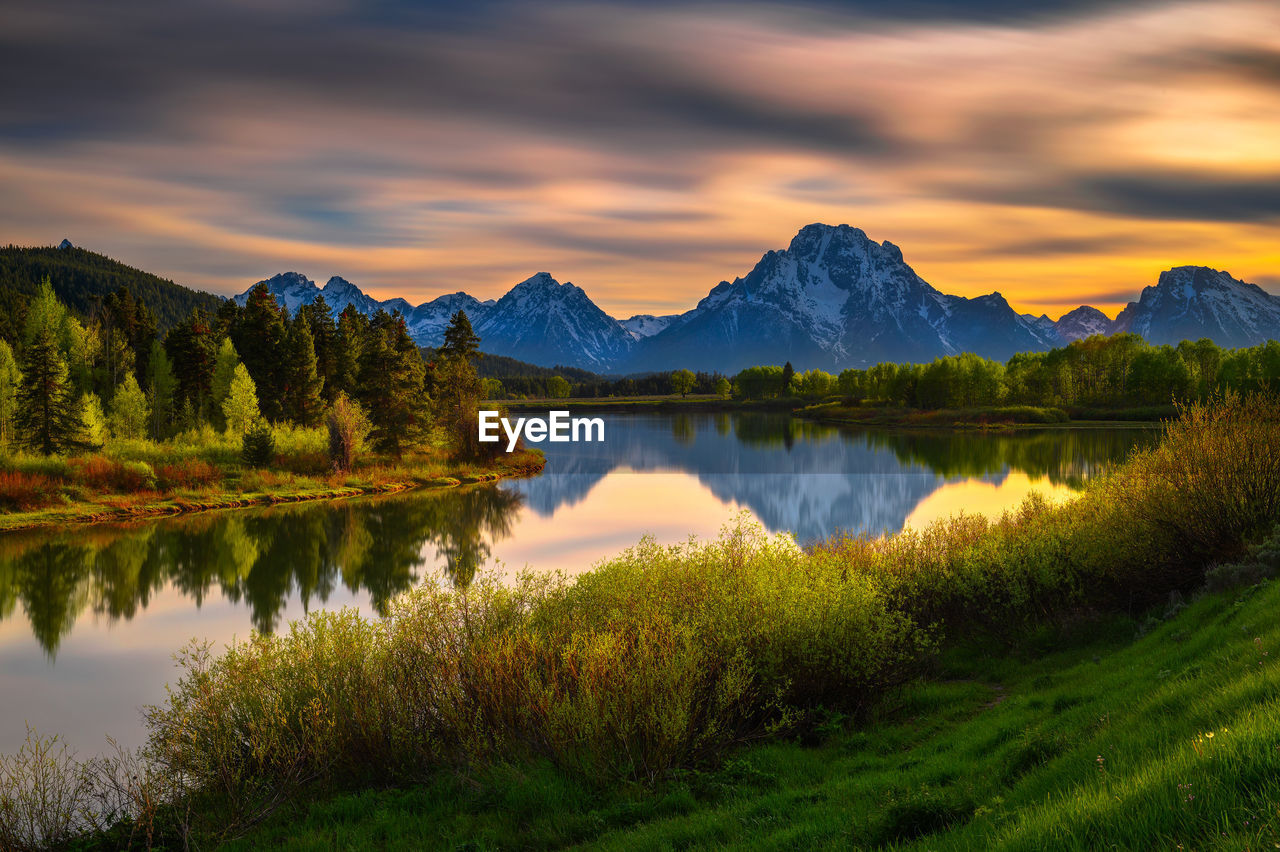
pixel 90 514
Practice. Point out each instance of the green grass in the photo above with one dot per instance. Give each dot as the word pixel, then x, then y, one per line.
pixel 1098 741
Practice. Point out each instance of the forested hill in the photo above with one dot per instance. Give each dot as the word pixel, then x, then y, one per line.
pixel 81 279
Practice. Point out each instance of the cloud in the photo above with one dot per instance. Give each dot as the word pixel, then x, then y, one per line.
pixel 643 150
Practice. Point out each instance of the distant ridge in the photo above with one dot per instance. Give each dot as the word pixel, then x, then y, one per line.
pixel 81 278
pixel 833 298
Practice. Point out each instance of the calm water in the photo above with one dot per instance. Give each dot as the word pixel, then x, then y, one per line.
pixel 89 617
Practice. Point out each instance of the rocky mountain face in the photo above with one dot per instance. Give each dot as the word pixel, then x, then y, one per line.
pixel 548 323
pixel 834 298
pixel 1190 302
pixel 1083 322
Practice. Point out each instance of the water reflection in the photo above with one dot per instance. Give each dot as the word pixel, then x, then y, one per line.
pixel 89 617
pixel 792 475
pixel 812 479
pixel 258 558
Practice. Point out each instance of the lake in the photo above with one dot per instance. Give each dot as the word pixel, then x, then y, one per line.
pixel 90 616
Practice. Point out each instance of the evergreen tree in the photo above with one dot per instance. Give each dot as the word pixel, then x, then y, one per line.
pixel 788 373
pixel 130 412
pixel 10 382
pixel 224 370
pixel 260 339
pixel 324 337
pixel 391 385
pixel 227 320
pixel 48 418
pixel 240 408
pixel 460 341
pixel 353 330
pixel 163 387
pixel 192 351
pixel 459 388
pixel 304 403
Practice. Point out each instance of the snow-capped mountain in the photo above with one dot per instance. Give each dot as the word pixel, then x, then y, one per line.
pixel 647 325
pixel 428 321
pixel 1083 322
pixel 832 299
pixel 835 298
pixel 1190 302
pixel 291 289
pixel 548 323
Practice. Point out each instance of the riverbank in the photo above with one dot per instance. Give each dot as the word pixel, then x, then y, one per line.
pixel 1114 732
pixel 641 404
pixel 101 489
pixel 670 666
pixel 1002 417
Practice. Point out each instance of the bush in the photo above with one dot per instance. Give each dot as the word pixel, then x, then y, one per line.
pixel 190 473
pixel 119 477
pixel 258 447
pixel 1211 486
pixel 26 491
pixel 348 426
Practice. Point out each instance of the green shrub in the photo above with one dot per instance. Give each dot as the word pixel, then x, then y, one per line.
pixel 258 447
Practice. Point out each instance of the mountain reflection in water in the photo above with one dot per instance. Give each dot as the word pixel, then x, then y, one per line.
pixel 810 479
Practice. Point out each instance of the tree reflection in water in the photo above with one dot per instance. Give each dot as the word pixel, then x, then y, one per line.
pixel 258 557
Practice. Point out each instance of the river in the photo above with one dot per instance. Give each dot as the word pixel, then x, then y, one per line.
pixel 90 616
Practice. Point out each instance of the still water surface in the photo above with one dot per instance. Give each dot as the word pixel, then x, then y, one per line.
pixel 90 616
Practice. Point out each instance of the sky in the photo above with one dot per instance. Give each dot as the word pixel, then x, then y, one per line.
pixel 1057 152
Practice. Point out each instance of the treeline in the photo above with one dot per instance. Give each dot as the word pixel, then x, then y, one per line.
pixel 83 280
pixel 561 384
pixel 69 386
pixel 1104 372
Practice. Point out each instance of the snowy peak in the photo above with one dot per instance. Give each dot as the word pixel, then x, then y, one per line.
pixel 65 244
pixel 641 326
pixel 1190 302
pixel 1082 322
pixel 291 289
pixel 548 323
pixel 834 298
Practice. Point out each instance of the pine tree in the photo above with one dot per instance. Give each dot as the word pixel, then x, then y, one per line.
pixel 192 352
pixel 788 373
pixel 48 418
pixel 163 386
pixel 391 385
pixel 224 370
pixel 260 339
pixel 304 403
pixel 324 336
pixel 460 341
pixel 130 412
pixel 240 408
pixel 10 382
pixel 353 330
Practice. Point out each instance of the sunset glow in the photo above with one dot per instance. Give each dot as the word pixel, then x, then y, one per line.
pixel 646 152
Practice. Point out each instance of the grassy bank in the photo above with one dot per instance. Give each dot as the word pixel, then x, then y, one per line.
pixel 1111 733
pixel 203 471
pixel 995 417
pixel 663 667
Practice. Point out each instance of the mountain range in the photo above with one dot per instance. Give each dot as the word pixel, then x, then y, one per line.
pixel 834 298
